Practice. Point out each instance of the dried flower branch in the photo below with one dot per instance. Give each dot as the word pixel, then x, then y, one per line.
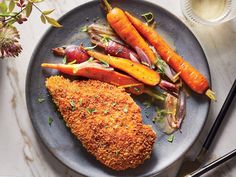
pixel 18 11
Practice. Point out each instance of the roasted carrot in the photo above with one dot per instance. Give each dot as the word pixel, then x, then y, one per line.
pixel 122 26
pixel 94 71
pixel 138 71
pixel 191 76
pixel 97 71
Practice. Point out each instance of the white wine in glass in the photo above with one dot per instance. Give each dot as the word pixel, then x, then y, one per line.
pixel 209 11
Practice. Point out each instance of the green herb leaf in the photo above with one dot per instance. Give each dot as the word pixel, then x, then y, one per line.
pixel 161 66
pixel 106 111
pixel 43 19
pixel 147 104
pixel 125 109
pixel 90 59
pixel 28 9
pixel 11 6
pixel 148 17
pixel 105 40
pixel 80 101
pixel 114 104
pixel 47 12
pixel 90 48
pixel 64 60
pixel 104 63
pixel 72 103
pixel 40 100
pixel 137 89
pixel 3 7
pixel 84 28
pixel 50 120
pixel 91 110
pixel 53 22
pixel 170 138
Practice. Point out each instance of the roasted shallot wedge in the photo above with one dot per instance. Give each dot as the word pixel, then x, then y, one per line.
pixel 170 118
pixel 113 48
pixel 72 53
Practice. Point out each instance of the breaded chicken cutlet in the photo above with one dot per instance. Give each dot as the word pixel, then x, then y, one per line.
pixel 105 119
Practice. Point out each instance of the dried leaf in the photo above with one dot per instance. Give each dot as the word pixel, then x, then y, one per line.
pixel 47 12
pixel 28 9
pixel 53 22
pixel 11 6
pixel 3 7
pixel 36 1
pixel 43 19
pixel 11 21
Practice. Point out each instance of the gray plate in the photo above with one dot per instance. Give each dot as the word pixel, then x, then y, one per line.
pixel 58 139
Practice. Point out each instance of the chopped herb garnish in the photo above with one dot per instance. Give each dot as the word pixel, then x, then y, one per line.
pixel 161 66
pixel 162 113
pixel 72 103
pixel 119 50
pixel 106 111
pixel 91 110
pixel 136 89
pixel 171 138
pixel 125 109
pixel 80 101
pixel 64 60
pixel 90 59
pixel 147 104
pixel 84 28
pixel 50 120
pixel 105 40
pixel 158 119
pixel 117 152
pixel 104 63
pixel 40 100
pixel 148 17
pixel 90 48
pixel 114 104
pixel 106 126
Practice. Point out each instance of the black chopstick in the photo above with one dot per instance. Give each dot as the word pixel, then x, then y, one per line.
pixel 218 121
pixel 213 164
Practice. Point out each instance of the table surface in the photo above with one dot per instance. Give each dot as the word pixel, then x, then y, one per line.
pixel 22 153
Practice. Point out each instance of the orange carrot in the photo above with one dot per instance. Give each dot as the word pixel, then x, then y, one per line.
pixel 96 71
pixel 121 24
pixel 138 71
pixel 192 77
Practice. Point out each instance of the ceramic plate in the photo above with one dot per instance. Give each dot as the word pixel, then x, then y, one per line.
pixel 57 137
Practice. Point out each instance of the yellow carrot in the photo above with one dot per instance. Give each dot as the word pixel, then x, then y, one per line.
pixel 138 71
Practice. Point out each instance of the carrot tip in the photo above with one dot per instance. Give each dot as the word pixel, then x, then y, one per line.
pixel 211 94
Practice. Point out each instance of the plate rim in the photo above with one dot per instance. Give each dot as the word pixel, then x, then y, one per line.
pixel 65 15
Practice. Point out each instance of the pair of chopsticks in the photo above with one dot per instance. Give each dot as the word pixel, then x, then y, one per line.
pixel 211 137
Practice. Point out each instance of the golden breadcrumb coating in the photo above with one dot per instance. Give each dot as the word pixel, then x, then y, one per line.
pixel 105 119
